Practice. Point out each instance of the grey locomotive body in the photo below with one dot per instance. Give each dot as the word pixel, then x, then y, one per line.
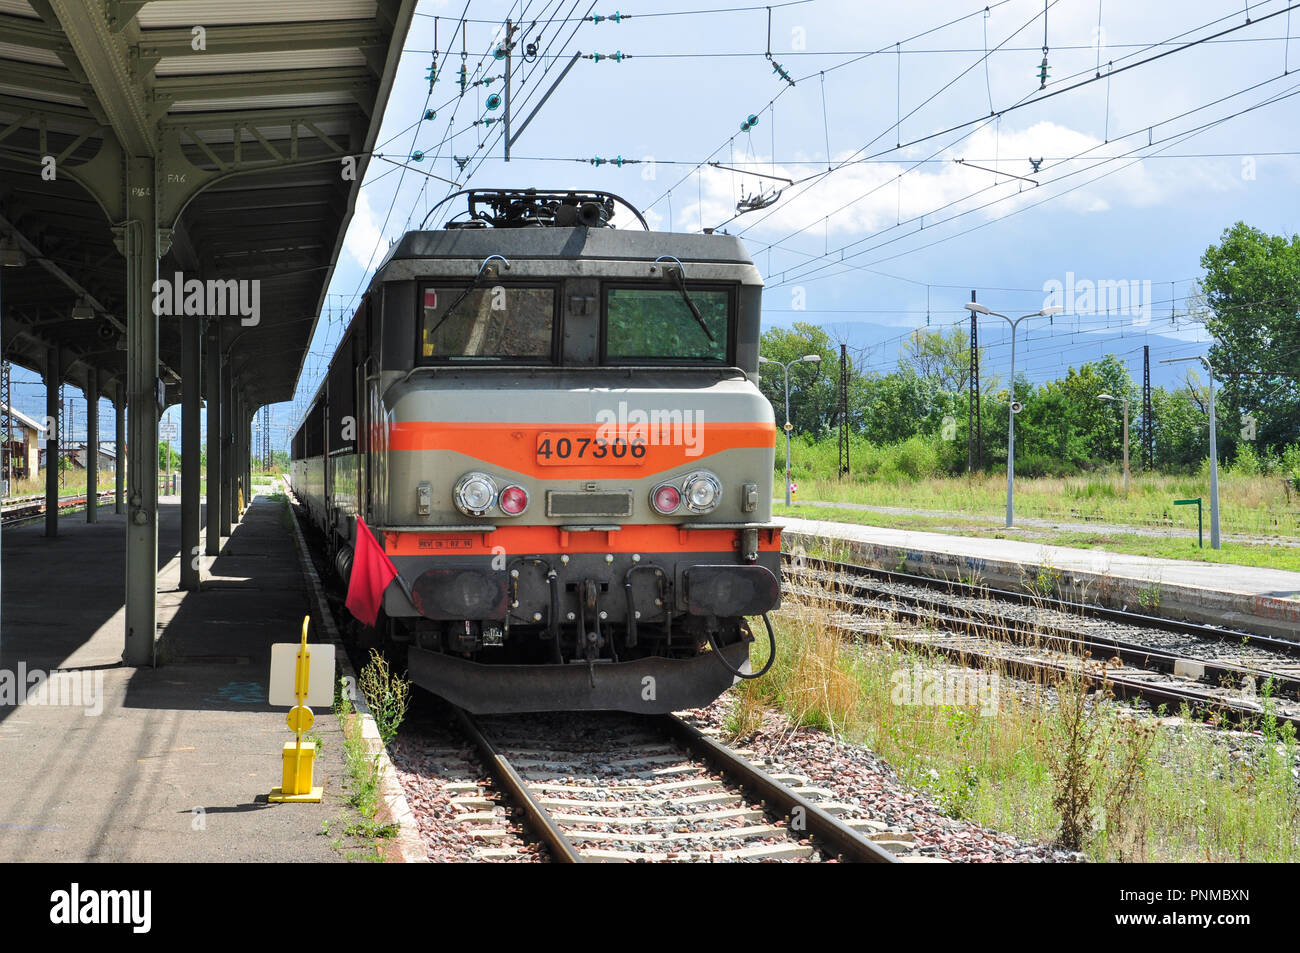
pixel 555 434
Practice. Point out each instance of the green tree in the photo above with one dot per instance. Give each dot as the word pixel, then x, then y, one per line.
pixel 1180 427
pixel 1252 296
pixel 900 405
pixel 814 388
pixel 942 358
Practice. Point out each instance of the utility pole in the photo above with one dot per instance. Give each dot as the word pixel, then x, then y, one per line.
pixel 1214 464
pixel 510 32
pixel 1214 449
pixel 58 457
pixel 1148 424
pixel 266 438
pixel 844 411
pixel 974 428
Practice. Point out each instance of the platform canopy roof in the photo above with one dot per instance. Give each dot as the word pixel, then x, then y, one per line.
pixel 250 109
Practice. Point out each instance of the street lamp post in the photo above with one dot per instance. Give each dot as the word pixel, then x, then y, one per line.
pixel 1214 450
pixel 1014 407
pixel 1110 398
pixel 812 358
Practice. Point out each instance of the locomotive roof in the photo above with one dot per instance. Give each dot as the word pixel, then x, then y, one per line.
pixel 569 243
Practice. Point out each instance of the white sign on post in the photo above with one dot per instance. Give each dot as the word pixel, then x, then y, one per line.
pixel 167 430
pixel 320 675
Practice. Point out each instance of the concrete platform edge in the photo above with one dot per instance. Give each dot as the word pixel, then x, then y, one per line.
pixel 1252 612
pixel 408 846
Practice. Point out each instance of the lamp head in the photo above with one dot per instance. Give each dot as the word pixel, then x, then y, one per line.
pixel 976 307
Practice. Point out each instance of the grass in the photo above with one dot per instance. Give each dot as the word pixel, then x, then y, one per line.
pixel 71 482
pixel 1180 794
pixel 1251 505
pixel 1268 555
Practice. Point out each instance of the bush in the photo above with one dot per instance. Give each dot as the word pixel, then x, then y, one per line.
pixel 1246 462
pixel 916 458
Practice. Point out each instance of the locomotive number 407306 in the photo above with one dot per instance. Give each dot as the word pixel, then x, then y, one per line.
pixel 558 449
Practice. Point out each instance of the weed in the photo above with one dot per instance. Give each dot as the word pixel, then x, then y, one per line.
pixel 387 695
pixel 371 829
pixel 1149 597
pixel 1095 758
pixel 1046 580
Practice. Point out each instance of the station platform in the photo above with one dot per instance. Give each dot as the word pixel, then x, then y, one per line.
pixel 171 763
pixel 1263 601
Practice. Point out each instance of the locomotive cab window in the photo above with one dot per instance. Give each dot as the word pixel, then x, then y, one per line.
pixel 492 323
pixel 655 324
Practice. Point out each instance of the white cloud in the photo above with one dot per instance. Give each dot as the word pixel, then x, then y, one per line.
pixel 874 197
pixel 363 238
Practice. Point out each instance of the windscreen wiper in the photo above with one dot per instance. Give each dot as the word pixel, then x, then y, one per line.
pixel 677 278
pixel 478 279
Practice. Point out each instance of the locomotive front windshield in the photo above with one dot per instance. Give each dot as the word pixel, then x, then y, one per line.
pixel 657 324
pixel 500 322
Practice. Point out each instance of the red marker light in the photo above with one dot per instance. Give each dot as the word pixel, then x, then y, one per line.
pixel 513 501
pixel 666 499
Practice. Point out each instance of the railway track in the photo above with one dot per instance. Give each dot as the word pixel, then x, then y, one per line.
pixel 17 510
pixel 611 788
pixel 1214 671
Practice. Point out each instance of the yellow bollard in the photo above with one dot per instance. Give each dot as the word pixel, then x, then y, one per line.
pixel 299 761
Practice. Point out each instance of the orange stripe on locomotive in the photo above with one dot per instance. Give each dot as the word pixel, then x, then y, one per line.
pixel 513 446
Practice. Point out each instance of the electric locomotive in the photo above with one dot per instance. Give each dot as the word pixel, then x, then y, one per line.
pixel 553 429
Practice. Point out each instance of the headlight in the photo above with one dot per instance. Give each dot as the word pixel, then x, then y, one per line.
pixel 703 491
pixel 475 494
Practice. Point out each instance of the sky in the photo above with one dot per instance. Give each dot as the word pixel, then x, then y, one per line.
pixel 908 136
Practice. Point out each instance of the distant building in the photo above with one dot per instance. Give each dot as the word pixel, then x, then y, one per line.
pixel 22 456
pixel 78 453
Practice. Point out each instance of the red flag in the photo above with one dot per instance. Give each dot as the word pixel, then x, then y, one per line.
pixel 372 571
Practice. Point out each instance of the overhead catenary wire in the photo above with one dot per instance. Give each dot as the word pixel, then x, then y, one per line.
pixel 1078 156
pixel 1027 100
pixel 856 58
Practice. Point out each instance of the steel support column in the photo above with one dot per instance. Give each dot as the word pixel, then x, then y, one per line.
pixel 140 245
pixel 92 447
pixel 212 382
pixel 249 416
pixel 54 422
pixel 236 456
pixel 241 456
pixel 227 452
pixel 237 461
pixel 119 445
pixel 191 384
